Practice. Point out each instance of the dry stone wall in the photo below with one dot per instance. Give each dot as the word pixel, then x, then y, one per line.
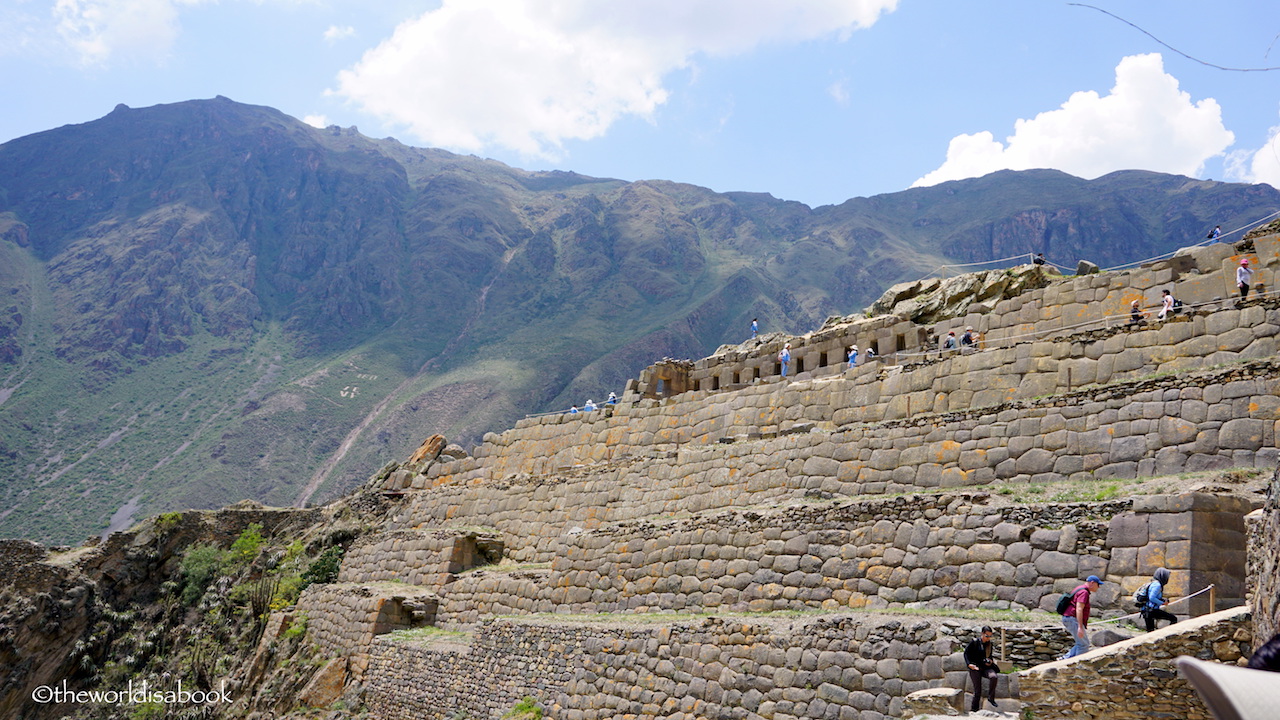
pixel 849 668
pixel 1264 564
pixel 938 551
pixel 1171 424
pixel 343 619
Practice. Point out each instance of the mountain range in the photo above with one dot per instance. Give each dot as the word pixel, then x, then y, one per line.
pixel 208 301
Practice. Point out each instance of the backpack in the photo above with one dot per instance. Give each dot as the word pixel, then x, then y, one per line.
pixel 1064 602
pixel 1140 596
pixel 1177 305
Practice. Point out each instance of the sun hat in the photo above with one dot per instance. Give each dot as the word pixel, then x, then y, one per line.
pixel 1233 692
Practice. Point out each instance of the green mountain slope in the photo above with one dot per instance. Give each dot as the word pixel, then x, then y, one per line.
pixel 207 301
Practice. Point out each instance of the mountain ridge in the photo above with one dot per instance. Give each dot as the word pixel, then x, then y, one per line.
pixel 205 299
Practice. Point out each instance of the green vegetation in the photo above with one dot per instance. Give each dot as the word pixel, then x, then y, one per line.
pixel 526 709
pixel 200 565
pixel 245 548
pixel 325 567
pixel 427 635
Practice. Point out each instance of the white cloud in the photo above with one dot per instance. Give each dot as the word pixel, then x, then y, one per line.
pixel 316 121
pixel 530 74
pixel 1257 166
pixel 1145 123
pixel 335 33
pixel 97 30
pixel 839 92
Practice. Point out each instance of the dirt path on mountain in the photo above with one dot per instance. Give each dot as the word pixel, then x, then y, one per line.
pixel 317 479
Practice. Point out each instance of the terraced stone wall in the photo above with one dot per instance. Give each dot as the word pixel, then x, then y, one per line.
pixel 941 551
pixel 1165 425
pixel 838 667
pixel 869 401
pixel 427 558
pixel 344 619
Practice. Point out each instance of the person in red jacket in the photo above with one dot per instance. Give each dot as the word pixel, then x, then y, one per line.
pixel 1076 618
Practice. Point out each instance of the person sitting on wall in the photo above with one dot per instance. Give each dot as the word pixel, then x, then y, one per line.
pixel 613 399
pixel 977 655
pixel 573 410
pixel 1137 316
pixel 1039 259
pixel 589 407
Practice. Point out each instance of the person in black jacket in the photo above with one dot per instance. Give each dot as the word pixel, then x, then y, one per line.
pixel 977 655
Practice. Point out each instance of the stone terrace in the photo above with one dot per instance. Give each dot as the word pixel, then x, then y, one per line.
pixel 760 494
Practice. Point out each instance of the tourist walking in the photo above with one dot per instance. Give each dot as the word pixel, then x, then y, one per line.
pixel 968 339
pixel 1244 276
pixel 950 342
pixel 784 358
pixel 977 655
pixel 1215 233
pixel 1153 607
pixel 1075 617
pixel 755 327
pixel 853 355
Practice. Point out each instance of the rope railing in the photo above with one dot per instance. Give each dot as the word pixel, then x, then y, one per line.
pixel 1174 602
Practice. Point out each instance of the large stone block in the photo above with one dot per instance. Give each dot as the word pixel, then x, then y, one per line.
pixel 1127 530
pixel 1241 434
pixel 1057 564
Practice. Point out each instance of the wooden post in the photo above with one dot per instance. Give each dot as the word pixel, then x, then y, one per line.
pixel 1003 657
pixel 1213 598
pixel 1068 378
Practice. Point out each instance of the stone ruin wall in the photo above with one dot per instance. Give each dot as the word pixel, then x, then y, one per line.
pixel 840 667
pixel 946 551
pixel 1264 564
pixel 1202 277
pixel 1147 433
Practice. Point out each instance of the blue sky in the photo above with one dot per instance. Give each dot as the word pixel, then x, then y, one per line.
pixel 809 100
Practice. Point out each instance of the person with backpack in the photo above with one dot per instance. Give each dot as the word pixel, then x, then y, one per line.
pixel 1074 608
pixel 1151 601
pixel 977 655
pixel 1167 305
pixel 784 358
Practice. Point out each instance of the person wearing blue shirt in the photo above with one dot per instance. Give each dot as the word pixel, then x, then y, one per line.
pixel 1154 609
pixel 589 407
pixel 755 327
pixel 853 355
pixel 784 358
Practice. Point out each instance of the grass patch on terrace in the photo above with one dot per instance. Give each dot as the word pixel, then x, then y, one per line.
pixel 666 618
pixel 429 636
pixel 508 566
